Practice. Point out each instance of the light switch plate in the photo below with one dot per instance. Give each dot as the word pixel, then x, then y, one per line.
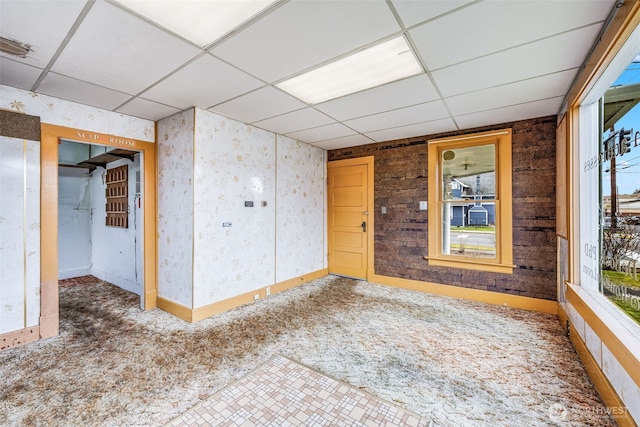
pixel 423 206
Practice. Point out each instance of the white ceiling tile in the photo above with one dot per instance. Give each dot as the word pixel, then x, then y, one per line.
pixel 115 49
pixel 258 105
pixel 302 34
pixel 41 24
pixel 547 56
pixel 480 29
pixel 321 133
pixel 84 93
pixel 185 17
pixel 295 121
pixel 346 141
pixel 17 74
pixel 418 129
pixel 198 84
pixel 548 86
pixel 411 91
pixel 415 11
pixel 512 113
pixel 145 109
pixel 404 116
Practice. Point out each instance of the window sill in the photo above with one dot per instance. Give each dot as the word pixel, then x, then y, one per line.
pixel 472 265
pixel 618 323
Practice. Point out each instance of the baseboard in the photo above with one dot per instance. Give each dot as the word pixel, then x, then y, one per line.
pixel 607 393
pixel 74 272
pixel 496 298
pixel 217 307
pixel 177 309
pixel 119 281
pixel 200 313
pixel 19 337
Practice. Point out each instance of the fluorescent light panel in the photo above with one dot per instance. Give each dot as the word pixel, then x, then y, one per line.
pixel 200 21
pixel 387 62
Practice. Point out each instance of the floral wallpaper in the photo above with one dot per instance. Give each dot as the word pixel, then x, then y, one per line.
pixel 300 217
pixel 233 244
pixel 19 234
pixel 175 207
pixel 240 206
pixel 59 112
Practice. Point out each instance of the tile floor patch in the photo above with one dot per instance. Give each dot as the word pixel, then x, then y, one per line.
pixel 283 392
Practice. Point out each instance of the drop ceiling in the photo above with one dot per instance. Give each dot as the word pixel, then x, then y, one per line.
pixel 483 62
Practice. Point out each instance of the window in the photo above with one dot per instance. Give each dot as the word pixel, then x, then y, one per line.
pixel 619 185
pixel 470 202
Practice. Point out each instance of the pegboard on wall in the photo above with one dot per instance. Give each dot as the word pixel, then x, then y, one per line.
pixel 117 193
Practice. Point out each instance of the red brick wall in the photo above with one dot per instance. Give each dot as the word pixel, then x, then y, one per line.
pixel 400 181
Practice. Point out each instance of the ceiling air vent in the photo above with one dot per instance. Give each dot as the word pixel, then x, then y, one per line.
pixel 15 48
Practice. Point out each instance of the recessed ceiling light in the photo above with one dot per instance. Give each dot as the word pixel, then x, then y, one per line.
pixel 384 63
pixel 201 22
pixel 13 47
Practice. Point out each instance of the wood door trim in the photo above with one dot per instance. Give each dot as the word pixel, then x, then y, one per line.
pixel 50 136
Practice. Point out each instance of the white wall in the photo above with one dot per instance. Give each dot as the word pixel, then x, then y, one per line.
pixel 624 329
pixel 301 244
pixel 59 112
pixel 114 254
pixel 74 223
pixel 234 163
pixel 19 234
pixel 20 244
pixel 205 178
pixel 175 208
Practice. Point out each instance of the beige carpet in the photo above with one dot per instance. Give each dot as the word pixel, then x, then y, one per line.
pixel 451 362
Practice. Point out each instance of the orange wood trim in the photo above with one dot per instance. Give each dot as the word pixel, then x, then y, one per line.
pixel 50 136
pixel 561 178
pixel 246 298
pixel 629 361
pixel 502 139
pixel 18 338
pixel 627 18
pixel 495 298
pixel 604 388
pixel 150 163
pixel 177 309
pixel 91 137
pixel 48 234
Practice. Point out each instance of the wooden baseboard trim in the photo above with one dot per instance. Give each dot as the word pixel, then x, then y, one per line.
pixel 209 310
pixel 612 401
pixel 496 298
pixel 177 309
pixel 19 337
pixel 200 313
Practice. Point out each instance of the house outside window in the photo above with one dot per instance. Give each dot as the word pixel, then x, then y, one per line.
pixel 470 202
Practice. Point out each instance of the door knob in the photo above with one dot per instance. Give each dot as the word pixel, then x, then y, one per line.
pixel 364 226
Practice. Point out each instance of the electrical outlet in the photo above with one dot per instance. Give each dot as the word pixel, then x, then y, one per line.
pixel 268 290
pixel 256 297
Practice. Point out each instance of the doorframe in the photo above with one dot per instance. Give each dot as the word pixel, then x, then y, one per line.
pixel 50 136
pixel 369 162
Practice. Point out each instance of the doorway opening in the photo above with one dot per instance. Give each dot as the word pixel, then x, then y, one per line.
pixel 100 214
pixel 141 158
